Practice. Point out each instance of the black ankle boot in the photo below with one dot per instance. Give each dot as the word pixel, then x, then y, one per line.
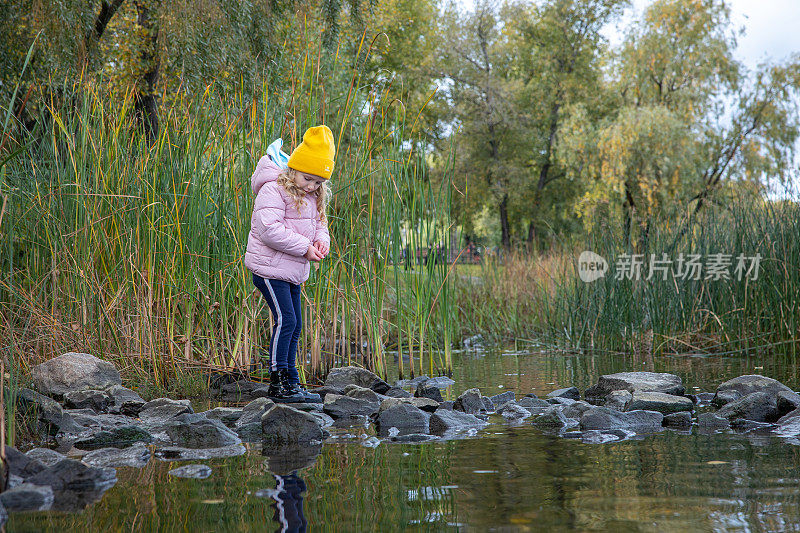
pixel 308 397
pixel 279 392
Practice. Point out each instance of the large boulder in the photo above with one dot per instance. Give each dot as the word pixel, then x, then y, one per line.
pixel 635 381
pixel 197 431
pixel 50 415
pixel 73 371
pixel 339 378
pixel 603 418
pixel 471 402
pixel 284 424
pixel 445 421
pixel 736 388
pixel 759 406
pixel 339 406
pixel 658 401
pixel 404 416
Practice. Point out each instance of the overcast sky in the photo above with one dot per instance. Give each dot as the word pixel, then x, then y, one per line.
pixel 772 28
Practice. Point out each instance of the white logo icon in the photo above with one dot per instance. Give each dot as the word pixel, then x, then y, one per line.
pixel 591 266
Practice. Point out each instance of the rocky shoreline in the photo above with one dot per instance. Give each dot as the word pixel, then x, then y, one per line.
pixel 101 425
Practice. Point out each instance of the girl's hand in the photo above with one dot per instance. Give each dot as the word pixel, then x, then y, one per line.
pixel 322 248
pixel 313 254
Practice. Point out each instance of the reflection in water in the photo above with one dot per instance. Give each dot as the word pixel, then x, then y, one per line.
pixel 507 478
pixel 284 462
pixel 288 496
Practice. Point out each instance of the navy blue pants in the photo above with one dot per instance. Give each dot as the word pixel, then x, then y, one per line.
pixel 283 299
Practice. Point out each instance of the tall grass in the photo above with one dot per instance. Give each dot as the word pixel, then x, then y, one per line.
pixel 132 250
pixel 542 298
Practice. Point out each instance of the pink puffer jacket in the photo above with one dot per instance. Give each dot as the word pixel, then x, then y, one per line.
pixel 280 234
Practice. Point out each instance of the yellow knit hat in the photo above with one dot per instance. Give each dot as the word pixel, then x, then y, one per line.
pixel 315 154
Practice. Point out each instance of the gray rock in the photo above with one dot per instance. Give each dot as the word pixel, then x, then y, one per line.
pixel 679 420
pixel 251 413
pixel 789 415
pixel 788 401
pixel 191 471
pixel 227 415
pixel 711 421
pixel 603 418
pixel 404 416
pixel 658 401
pixel 488 406
pixel 440 382
pixel 284 424
pixel 176 453
pixel 601 437
pixel 396 392
pixel 426 404
pixel 50 415
pixel 413 438
pixel 736 388
pixel 163 410
pixel 72 475
pixel 27 497
pixel 73 371
pixel 96 400
pixel 46 456
pixel 511 410
pixel 576 409
pixel 758 406
pixel 570 392
pixel 560 401
pixel 21 465
pixel 470 402
pixel 339 406
pixel 704 398
pixel 444 421
pixel 3 514
pixel 635 381
pixel 361 393
pixel 250 432
pixel 424 391
pixel 533 403
pixel 552 418
pixel 117 437
pixel 135 456
pixel 499 399
pixel 125 401
pixel 195 431
pixel 352 421
pixel 446 406
pixel 618 400
pixel 339 378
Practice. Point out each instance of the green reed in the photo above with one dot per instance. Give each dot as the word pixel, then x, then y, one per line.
pixel 132 249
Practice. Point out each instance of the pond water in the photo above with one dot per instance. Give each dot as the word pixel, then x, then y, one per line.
pixel 503 479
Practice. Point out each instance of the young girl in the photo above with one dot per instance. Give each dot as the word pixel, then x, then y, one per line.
pixel 288 229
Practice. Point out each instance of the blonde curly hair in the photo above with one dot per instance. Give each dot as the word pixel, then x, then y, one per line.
pixel 286 179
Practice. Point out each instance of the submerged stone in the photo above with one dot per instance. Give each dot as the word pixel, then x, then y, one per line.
pixel 176 453
pixel 27 497
pixel 603 418
pixel 759 406
pixel 136 456
pixel 191 471
pixel 443 421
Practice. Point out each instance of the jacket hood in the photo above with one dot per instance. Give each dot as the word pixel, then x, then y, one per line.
pixel 266 171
